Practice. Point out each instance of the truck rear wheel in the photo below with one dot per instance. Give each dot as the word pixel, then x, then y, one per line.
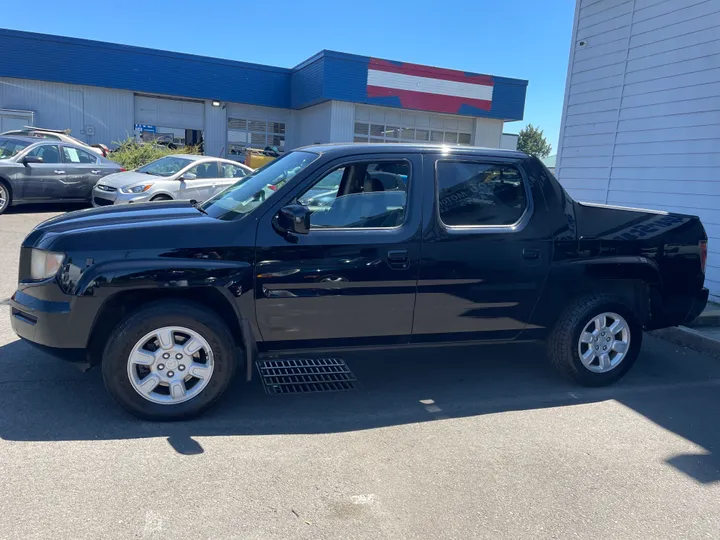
pixel 596 340
pixel 169 361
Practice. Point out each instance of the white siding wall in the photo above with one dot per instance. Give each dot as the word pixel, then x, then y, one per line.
pixel 342 122
pixel 312 125
pixel 641 120
pixel 508 141
pixel 215 133
pixel 488 133
pixel 65 106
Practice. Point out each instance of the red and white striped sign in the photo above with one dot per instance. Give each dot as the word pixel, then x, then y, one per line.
pixel 428 88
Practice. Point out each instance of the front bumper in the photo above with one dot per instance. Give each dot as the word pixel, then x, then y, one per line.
pixel 57 323
pixel 102 197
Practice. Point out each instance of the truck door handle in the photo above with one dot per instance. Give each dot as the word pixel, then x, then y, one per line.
pixel 531 254
pixel 96 171
pixel 398 259
pixel 59 172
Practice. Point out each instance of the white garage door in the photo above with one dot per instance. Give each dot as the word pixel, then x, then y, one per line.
pixel 249 126
pixel 169 113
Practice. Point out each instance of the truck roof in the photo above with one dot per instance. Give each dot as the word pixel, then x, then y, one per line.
pixel 382 148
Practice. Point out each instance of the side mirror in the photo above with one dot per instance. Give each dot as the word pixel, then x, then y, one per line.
pixel 292 219
pixel 188 176
pixel 32 159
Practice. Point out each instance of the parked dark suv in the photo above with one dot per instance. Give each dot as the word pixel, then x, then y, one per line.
pixel 420 245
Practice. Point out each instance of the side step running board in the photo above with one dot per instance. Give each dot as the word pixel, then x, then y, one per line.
pixel 305 375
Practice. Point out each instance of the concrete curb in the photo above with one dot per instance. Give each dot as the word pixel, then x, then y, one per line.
pixel 690 338
pixel 708 318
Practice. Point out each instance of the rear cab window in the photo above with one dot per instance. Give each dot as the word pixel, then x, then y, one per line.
pixel 478 193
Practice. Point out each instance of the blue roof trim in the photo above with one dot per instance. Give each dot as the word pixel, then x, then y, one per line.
pixel 328 75
pixel 135 49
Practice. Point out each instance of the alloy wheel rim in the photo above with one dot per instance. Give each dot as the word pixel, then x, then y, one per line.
pixel 3 197
pixel 604 342
pixel 170 365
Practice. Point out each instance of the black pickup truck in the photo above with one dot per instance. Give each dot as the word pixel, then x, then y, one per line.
pixel 419 245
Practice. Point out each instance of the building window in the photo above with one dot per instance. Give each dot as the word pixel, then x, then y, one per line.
pixel 254 134
pixel 395 126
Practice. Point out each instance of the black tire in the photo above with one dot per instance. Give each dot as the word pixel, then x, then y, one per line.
pixel 562 346
pixel 6 195
pixel 161 198
pixel 154 316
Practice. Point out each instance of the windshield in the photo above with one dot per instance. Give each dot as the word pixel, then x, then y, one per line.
pixel 10 147
pixel 244 196
pixel 166 166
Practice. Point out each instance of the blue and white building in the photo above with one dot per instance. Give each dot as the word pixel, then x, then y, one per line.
pixel 105 92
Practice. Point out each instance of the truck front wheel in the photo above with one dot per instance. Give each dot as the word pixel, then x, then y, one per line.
pixel 169 361
pixel 596 340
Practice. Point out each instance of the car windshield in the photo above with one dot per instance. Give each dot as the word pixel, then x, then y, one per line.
pixel 244 196
pixel 11 147
pixel 166 166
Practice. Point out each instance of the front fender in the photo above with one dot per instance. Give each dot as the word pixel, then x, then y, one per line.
pixel 120 286
pixel 231 278
pixel 106 278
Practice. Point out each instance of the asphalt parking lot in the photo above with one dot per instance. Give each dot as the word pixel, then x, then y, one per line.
pixel 461 443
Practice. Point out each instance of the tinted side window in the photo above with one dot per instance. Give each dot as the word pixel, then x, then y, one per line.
pixel 473 193
pixel 205 170
pixel 232 171
pixel 49 153
pixel 359 195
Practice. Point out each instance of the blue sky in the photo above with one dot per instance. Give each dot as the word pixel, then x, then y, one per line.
pixel 526 39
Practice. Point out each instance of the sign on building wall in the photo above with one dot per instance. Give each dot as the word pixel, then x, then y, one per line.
pixel 428 88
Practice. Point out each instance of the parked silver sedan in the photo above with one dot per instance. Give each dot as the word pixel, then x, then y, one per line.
pixel 180 176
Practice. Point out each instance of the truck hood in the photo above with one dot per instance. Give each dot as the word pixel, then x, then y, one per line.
pixel 114 227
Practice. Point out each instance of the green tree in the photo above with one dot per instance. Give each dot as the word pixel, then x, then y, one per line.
pixel 532 141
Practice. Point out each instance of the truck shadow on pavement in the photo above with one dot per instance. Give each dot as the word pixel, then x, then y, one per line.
pixel 43 399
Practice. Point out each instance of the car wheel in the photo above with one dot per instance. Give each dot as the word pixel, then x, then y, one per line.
pixel 169 361
pixel 596 340
pixel 161 198
pixel 5 197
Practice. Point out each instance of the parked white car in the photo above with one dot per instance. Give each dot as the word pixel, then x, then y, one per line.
pixel 180 176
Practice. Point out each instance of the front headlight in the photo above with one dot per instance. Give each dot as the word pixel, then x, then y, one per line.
pixel 135 189
pixel 45 264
